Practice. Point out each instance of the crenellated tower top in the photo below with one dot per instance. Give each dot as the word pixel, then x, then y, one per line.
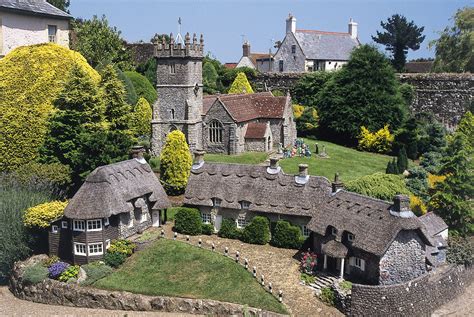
pixel 173 49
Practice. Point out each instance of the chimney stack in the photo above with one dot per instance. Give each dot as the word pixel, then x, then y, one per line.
pixel 337 185
pixel 246 49
pixel 274 168
pixel 353 29
pixel 291 24
pixel 401 207
pixel 136 152
pixel 198 159
pixel 302 177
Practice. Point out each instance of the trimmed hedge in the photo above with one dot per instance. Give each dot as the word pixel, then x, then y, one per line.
pixel 257 232
pixel 207 229
pixel 379 185
pixel 285 235
pixel 143 87
pixel 188 221
pixel 229 229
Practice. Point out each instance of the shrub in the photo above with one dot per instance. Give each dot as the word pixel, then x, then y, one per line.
pixel 122 246
pixel 378 185
pixel 229 229
pixel 154 164
pixel 56 269
pixel 431 162
pixel 175 163
pixel 417 182
pixel 42 215
pixel 308 262
pixel 240 85
pixel 417 206
pixel 141 118
pixel 32 78
pixel 114 259
pixel 188 221
pixel 379 142
pixel 297 111
pixel 95 271
pixel 460 250
pixel 69 273
pixel 307 278
pixel 392 167
pixel 131 94
pixel 35 274
pixel 328 296
pixel 257 231
pixel 143 87
pixel 56 174
pixel 286 236
pixel 50 261
pixel 435 179
pixel 402 160
pixel 207 229
pixel 345 285
pixel 308 122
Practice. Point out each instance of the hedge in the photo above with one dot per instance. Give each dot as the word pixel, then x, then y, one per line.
pixel 143 87
pixel 229 229
pixel 31 79
pixel 257 232
pixel 188 221
pixel 379 185
pixel 285 235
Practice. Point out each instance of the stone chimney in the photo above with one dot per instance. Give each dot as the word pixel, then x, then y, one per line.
pixel 136 152
pixel 198 159
pixel 401 207
pixel 246 49
pixel 337 185
pixel 353 29
pixel 291 24
pixel 302 177
pixel 274 168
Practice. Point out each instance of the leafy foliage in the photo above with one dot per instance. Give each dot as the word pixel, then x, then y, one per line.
pixel 286 235
pixel 148 69
pixel 50 261
pixel 207 229
pixel 240 85
pixel 307 278
pixel 114 259
pixel 209 78
pixel 42 215
pixel 328 296
pixel 140 123
pixel 35 274
pixel 175 163
pixel 379 142
pixel 308 262
pixel 95 271
pixel 56 269
pixel 297 111
pixel 431 162
pixel 122 246
pixel 392 167
pixel 460 250
pixel 61 4
pixel 143 87
pixel 229 229
pixel 57 174
pixel 399 36
pixel 402 160
pixel 308 122
pixel 70 273
pixel 417 206
pixel 307 89
pixel 378 185
pixel 32 78
pixel 257 231
pixel 417 182
pixel 131 94
pixel 188 221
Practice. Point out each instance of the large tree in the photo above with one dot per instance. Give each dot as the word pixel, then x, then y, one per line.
pixel 455 46
pixel 399 36
pixel 365 92
pixel 61 4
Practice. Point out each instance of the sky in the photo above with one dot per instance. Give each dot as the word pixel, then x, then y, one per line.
pixel 225 23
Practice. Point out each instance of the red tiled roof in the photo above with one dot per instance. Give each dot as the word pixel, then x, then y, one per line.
pixel 230 65
pixel 246 107
pixel 256 130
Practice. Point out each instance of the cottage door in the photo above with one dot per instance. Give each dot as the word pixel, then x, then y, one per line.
pixel 218 222
pixel 155 217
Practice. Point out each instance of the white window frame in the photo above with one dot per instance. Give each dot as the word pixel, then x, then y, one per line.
pixel 173 68
pixel 333 231
pixel 244 204
pixel 54 229
pixel 350 237
pixel 76 252
pixel 106 221
pixel 306 232
pixel 99 245
pixel 79 225
pixel 64 224
pixel 107 244
pixel 52 38
pixel 241 221
pixel 358 263
pixel 94 221
pixel 143 217
pixel 206 218
pixel 216 202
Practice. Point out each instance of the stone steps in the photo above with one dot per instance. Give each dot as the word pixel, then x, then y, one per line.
pixel 322 281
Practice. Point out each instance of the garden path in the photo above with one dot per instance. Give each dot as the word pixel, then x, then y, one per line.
pixel 277 265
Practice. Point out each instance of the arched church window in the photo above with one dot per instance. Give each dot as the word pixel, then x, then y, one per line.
pixel 215 132
pixel 173 128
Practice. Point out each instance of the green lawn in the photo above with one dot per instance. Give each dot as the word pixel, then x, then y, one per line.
pixel 173 268
pixel 244 158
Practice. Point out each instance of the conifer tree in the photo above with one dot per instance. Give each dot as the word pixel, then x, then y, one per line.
pixel 141 119
pixel 241 85
pixel 402 160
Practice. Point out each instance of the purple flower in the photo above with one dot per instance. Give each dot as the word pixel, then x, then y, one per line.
pixel 56 269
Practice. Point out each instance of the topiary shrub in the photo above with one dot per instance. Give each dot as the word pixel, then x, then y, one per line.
pixel 257 232
pixel 188 221
pixel 35 274
pixel 42 215
pixel 141 118
pixel 32 77
pixel 114 259
pixel 70 273
pixel 240 85
pixel 143 87
pixel 175 163
pixel 229 229
pixel 207 229
pixel 95 271
pixel 379 185
pixel 286 235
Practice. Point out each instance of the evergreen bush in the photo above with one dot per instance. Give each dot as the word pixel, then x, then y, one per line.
pixel 392 167
pixel 229 229
pixel 257 231
pixel 417 182
pixel 143 87
pixel 431 162
pixel 402 160
pixel 57 174
pixel 207 229
pixel 41 216
pixel 35 274
pixel 241 85
pixel 114 259
pixel 378 185
pixel 286 235
pixel 188 221
pixel 130 94
pixel 141 117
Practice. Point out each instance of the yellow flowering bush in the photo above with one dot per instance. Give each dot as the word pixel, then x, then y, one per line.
pixel 417 206
pixel 31 77
pixel 298 111
pixel 40 216
pixel 433 179
pixel 379 142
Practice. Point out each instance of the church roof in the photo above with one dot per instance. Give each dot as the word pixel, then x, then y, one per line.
pixel 33 7
pixel 323 45
pixel 111 189
pixel 246 107
pixel 256 130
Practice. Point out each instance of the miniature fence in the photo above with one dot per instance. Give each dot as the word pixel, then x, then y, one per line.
pixel 237 258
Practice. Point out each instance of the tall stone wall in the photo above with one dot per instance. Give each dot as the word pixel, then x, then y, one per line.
pixel 141 52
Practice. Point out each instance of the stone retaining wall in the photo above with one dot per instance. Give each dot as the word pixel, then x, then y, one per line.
pixel 418 297
pixel 53 292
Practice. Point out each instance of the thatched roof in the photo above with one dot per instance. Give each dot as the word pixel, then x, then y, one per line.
pixel 368 219
pixel 334 249
pixel 266 192
pixel 111 189
pixel 434 224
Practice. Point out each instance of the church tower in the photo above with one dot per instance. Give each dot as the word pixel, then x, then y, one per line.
pixel 180 90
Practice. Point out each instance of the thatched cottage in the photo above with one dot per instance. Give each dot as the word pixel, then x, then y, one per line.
pixel 115 201
pixel 357 237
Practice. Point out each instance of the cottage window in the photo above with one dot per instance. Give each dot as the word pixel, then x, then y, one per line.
pixel 94 225
pixel 215 132
pixel 206 218
pixel 293 49
pixel 52 30
pixel 357 262
pixel 79 225
pixel 350 237
pixel 241 221
pixel 95 248
pixel 333 231
pixel 106 221
pixel 173 68
pixel 306 231
pixel 54 229
pixel 107 244
pixel 143 217
pixel 79 248
pixel 280 66
pixel 64 224
pixel 245 204
pixel 216 202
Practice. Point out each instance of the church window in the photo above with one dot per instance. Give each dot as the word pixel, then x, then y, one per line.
pixel 280 64
pixel 215 132
pixel 173 68
pixel 172 114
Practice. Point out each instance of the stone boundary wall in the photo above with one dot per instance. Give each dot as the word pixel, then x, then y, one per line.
pixel 141 52
pixel 418 297
pixel 53 292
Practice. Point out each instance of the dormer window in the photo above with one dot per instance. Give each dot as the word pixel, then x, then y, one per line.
pixel 333 231
pixel 244 204
pixel 216 202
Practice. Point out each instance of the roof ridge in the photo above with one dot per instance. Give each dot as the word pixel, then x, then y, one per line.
pixel 323 32
pixel 364 196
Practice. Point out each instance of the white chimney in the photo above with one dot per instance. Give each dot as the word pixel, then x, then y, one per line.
pixel 353 28
pixel 291 24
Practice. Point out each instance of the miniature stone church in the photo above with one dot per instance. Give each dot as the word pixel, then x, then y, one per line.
pixel 228 124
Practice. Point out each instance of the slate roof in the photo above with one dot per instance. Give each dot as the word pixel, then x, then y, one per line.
pixel 326 45
pixel 246 107
pixel 434 224
pixel 256 130
pixel 368 219
pixel 109 190
pixel 33 7
pixel 271 193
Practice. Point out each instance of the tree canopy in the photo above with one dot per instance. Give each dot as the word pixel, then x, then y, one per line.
pixel 399 36
pixel 61 4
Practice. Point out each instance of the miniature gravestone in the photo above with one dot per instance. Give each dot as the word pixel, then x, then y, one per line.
pixel 323 153
pixel 316 150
